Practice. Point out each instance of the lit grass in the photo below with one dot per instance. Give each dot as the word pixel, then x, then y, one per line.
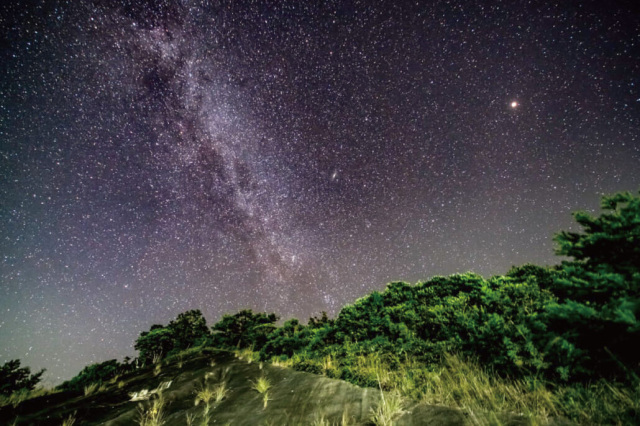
pixel 190 418
pixel 23 395
pixel 69 421
pixel 329 366
pixel 91 388
pixel 153 415
pixel 262 385
pixel 220 392
pixel 209 394
pixel 157 358
pixel 247 354
pixel 466 385
pixel 277 362
pixel 15 398
pixel 321 420
pixel 390 407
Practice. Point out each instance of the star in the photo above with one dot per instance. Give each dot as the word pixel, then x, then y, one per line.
pixel 289 159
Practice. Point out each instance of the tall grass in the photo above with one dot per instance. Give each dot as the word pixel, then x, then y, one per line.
pixel 153 415
pixel 390 407
pixel 247 354
pixel 95 387
pixel 278 362
pixel 23 395
pixel 209 395
pixel 262 386
pixel 486 397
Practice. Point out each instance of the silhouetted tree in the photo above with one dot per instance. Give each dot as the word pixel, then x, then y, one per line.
pixel 14 378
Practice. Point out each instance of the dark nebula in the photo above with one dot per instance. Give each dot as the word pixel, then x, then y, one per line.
pixel 290 156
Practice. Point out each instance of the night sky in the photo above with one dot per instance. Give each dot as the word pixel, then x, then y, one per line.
pixel 289 156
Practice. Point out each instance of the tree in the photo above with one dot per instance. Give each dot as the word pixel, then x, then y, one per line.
pixel 599 291
pixel 14 378
pixel 244 329
pixel 609 242
pixel 286 340
pixel 154 344
pixel 189 329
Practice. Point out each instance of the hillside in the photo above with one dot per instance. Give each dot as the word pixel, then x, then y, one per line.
pixel 295 398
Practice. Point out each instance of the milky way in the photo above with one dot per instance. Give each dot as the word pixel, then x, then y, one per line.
pixel 290 156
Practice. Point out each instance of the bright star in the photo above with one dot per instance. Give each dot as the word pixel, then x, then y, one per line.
pixel 514 104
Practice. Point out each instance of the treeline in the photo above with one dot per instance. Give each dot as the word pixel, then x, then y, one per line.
pixel 574 322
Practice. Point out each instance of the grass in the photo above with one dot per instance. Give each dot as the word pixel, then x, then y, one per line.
pixel 209 394
pixel 190 418
pixel 486 397
pixel 321 420
pixel 247 354
pixel 15 398
pixel 152 415
pixel 157 358
pixel 220 392
pixel 69 421
pixel 157 369
pixel 95 387
pixel 23 395
pixel 390 407
pixel 262 386
pixel 329 366
pixel 278 362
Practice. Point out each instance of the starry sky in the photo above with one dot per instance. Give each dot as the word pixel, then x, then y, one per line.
pixel 290 156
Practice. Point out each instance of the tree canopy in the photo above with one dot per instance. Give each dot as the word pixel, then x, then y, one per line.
pixel 187 330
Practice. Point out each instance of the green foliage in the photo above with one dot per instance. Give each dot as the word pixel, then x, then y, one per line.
pixel 243 330
pixel 608 242
pixel 189 329
pixel 14 378
pixel 595 322
pixel 154 344
pixel 286 340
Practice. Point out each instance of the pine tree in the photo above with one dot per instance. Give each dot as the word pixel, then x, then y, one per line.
pixel 599 292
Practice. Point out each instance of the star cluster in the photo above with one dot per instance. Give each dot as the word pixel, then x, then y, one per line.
pixel 290 156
